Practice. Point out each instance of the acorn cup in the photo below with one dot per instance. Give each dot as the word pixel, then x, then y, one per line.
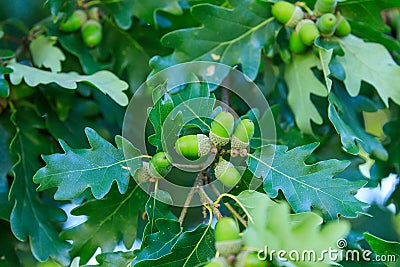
pixel 142 174
pixel 240 139
pixel 159 165
pixel 249 259
pixel 217 262
pixel 227 173
pixel 327 24
pixel 222 128
pixel 193 146
pixel 343 27
pixel 324 6
pixel 227 239
pixel 74 22
pixel 287 13
pixel 308 31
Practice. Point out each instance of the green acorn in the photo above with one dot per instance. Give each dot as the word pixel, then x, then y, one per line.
pixel 159 165
pixel 92 33
pixel 227 239
pixel 217 262
pixel 327 24
pixel 287 13
pixel 308 31
pixel 324 6
pixel 249 259
pixel 74 22
pixel 193 146
pixel 227 173
pixel 222 128
pixel 295 44
pixel 343 27
pixel 243 133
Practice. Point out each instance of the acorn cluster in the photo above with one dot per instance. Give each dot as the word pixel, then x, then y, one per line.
pixel 88 22
pixel 194 146
pixel 229 246
pixel 222 132
pixel 324 21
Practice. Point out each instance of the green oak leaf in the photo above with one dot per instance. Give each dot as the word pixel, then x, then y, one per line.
pixel 157 115
pixel 116 221
pixel 325 56
pixel 4 87
pixel 273 227
pixel 113 259
pixel 372 63
pixel 171 246
pixel 96 168
pixel 77 47
pixel 31 218
pixel 195 89
pixel 57 6
pixel 103 80
pixel 144 10
pixel 306 186
pixel 122 53
pixel 382 169
pixel 6 131
pixel 8 252
pixel 229 36
pixel 301 84
pixel 345 113
pixel 45 54
pixel 367 12
pixel 385 248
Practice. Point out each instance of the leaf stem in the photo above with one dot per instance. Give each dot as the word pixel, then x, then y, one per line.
pixel 237 201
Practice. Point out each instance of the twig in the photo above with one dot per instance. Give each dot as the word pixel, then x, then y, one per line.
pixel 207 201
pixel 189 198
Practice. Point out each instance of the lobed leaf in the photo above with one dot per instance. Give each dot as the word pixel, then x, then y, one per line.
pixel 31 218
pixel 117 221
pixel 229 36
pixel 385 249
pixel 345 113
pixel 273 228
pixel 305 186
pixel 105 81
pixel 95 168
pixel 301 84
pixel 45 54
pixel 372 63
pixel 144 10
